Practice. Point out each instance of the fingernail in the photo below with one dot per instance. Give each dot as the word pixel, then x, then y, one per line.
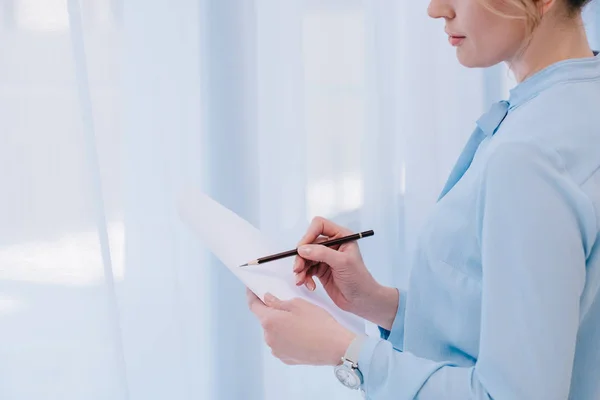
pixel 311 286
pixel 304 250
pixel 298 279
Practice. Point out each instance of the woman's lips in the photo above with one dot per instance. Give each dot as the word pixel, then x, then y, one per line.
pixel 456 40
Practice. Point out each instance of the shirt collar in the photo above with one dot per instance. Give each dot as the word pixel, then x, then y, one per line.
pixel 491 120
pixel 560 72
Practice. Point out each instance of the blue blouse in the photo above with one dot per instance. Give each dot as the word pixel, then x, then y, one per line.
pixel 503 300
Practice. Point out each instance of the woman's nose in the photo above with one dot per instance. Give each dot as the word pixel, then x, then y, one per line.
pixel 440 9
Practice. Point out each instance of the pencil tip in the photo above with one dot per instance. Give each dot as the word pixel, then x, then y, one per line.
pixel 253 262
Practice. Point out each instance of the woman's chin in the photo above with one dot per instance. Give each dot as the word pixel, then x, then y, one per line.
pixel 470 59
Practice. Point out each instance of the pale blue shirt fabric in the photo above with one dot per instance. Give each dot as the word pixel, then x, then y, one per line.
pixel 503 298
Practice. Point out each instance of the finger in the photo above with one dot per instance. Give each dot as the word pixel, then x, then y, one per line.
pixel 303 276
pixel 258 308
pixel 314 235
pixel 325 277
pixel 250 296
pixel 322 239
pixel 323 254
pixel 320 226
pixel 301 263
pixel 300 278
pixel 307 271
pixel 310 284
pixel 274 302
pixel 313 271
pixel 289 361
pixel 283 359
pixel 301 272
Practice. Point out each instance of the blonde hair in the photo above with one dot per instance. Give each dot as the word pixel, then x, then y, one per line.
pixel 529 10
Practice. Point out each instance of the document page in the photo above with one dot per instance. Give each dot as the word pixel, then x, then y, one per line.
pixel 234 241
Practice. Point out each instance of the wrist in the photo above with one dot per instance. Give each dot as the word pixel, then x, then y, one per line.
pixel 348 371
pixel 340 346
pixel 380 306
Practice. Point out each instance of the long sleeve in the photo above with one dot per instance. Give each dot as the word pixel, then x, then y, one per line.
pixel 396 334
pixel 534 233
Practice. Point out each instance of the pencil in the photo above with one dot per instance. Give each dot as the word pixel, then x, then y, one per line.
pixel 291 253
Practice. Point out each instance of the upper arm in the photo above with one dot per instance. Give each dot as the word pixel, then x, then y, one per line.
pixel 533 273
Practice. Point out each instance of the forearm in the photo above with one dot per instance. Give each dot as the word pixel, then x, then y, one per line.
pixel 394 375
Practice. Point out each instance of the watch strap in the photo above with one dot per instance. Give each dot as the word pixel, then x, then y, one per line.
pixel 353 351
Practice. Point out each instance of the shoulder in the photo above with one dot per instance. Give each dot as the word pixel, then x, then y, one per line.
pixel 531 180
pixel 510 162
pixel 563 123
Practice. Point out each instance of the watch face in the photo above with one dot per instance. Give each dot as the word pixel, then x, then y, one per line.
pixel 347 377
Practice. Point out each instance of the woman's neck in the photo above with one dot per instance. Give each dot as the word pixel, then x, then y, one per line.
pixel 549 45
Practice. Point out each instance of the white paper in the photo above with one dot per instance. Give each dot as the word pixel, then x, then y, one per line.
pixel 235 241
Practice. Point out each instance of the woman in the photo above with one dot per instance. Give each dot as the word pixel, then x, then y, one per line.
pixel 503 297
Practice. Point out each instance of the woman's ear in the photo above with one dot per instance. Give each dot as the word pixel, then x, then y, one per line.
pixel 546 5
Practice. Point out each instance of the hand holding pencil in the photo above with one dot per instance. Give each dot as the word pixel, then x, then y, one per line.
pixel 340 268
pixel 342 272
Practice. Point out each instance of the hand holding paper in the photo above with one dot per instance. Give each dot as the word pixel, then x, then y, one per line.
pixel 234 241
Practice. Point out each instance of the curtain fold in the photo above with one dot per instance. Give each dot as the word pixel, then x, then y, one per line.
pixel 232 148
pixel 92 165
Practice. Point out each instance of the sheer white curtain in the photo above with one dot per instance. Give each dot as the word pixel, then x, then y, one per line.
pixel 281 110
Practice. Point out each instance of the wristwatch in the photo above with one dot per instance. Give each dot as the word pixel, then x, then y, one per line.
pixel 348 372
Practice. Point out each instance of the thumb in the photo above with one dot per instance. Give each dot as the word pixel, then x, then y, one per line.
pixel 315 252
pixel 274 302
